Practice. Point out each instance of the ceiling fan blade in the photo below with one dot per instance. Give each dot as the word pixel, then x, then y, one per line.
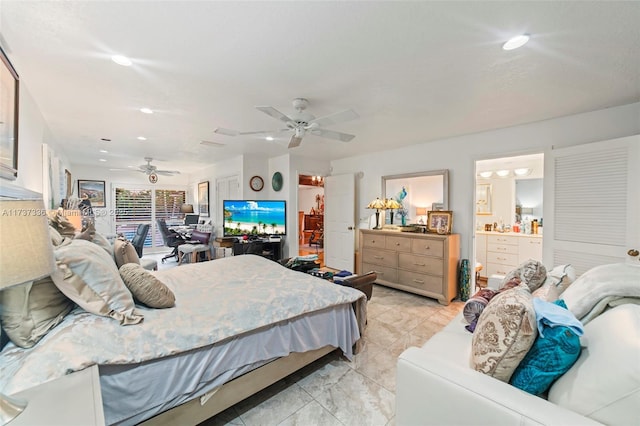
pixel 331 134
pixel 271 111
pixel 167 172
pixel 295 141
pixel 226 132
pixel 338 117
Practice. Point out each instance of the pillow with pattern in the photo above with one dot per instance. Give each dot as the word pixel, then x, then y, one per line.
pixel 532 273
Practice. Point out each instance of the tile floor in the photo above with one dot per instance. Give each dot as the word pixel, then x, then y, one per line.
pixel 334 391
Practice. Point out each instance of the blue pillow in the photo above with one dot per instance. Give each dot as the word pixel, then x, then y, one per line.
pixel 548 359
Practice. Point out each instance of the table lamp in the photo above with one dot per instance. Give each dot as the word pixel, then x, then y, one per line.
pixel 391 204
pixel 26 254
pixel 377 204
pixel 186 208
pixel 421 211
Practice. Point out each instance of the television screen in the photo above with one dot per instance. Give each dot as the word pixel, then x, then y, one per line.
pixel 254 217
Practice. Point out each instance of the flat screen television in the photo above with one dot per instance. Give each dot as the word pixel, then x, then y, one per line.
pixel 254 217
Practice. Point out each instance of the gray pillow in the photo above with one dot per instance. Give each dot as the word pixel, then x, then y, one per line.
pixel 145 287
pixel 88 276
pixel 124 252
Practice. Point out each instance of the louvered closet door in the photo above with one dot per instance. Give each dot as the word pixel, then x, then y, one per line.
pixel 592 200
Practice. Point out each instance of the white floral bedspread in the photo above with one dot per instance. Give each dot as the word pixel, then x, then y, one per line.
pixel 214 301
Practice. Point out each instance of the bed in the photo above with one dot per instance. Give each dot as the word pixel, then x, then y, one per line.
pixel 238 325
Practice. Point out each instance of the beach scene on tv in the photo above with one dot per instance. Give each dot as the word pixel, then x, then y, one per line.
pixel 261 217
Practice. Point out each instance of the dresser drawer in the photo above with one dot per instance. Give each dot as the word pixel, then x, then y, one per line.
pixel 384 272
pixel 530 248
pixel 380 257
pixel 372 240
pixel 422 264
pixel 424 282
pixel 428 247
pixel 501 248
pixel 500 239
pixel 398 244
pixel 503 258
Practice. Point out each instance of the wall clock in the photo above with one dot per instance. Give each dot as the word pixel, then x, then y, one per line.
pixel 276 181
pixel 256 183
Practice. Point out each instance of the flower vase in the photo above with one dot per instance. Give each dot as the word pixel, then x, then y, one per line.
pixel 463 280
pixel 404 221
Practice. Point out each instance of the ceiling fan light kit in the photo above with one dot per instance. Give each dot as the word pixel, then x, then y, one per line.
pixel 301 123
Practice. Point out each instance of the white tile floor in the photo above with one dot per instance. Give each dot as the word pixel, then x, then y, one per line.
pixel 334 391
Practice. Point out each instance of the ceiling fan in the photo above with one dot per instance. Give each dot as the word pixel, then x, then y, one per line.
pixel 301 123
pixel 148 169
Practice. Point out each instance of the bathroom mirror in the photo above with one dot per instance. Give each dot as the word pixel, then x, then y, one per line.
pixel 418 193
pixel 528 199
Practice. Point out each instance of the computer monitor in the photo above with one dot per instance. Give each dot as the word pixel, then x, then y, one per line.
pixel 191 219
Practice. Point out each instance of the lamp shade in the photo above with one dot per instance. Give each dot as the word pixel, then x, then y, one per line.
pixel 26 252
pixel 186 208
pixel 392 204
pixel 421 211
pixel 376 204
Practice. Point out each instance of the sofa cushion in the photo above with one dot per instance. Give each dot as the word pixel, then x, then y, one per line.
pixel 554 351
pixel 145 287
pixel 532 273
pixel 31 310
pixel 604 384
pixel 504 333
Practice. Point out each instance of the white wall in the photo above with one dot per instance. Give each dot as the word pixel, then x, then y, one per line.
pixel 459 154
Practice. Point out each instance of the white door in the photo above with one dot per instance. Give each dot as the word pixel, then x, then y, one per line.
pixel 339 222
pixel 592 203
pixel 227 188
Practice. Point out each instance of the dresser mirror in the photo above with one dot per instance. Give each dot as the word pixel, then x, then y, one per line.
pixel 418 193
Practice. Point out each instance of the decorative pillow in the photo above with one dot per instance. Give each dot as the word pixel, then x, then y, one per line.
pixel 554 351
pixel 61 224
pixel 56 238
pixel 504 333
pixel 532 273
pixel 87 275
pixel 604 383
pixel 563 276
pixel 124 252
pixel 30 310
pixel 145 287
pixel 547 291
pixel 476 304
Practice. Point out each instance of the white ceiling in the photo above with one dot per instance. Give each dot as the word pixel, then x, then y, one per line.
pixel 414 71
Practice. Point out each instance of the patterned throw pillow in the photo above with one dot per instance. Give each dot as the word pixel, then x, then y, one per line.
pixel 145 287
pixel 504 334
pixel 551 355
pixel 532 273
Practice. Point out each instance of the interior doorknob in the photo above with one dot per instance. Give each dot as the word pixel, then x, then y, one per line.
pixel 350 228
pixel 633 252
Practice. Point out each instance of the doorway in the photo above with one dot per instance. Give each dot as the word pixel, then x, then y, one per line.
pixel 508 214
pixel 311 216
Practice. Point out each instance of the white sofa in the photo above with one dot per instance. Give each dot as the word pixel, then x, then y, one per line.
pixel 437 386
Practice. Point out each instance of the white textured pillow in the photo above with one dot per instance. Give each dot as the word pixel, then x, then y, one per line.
pixel 88 276
pixel 604 384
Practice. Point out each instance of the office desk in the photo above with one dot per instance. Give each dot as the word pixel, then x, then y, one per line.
pixel 253 247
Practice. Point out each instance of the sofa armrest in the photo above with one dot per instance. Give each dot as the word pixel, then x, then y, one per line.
pixel 432 389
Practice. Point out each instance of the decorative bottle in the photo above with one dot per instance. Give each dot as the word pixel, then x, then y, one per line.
pixel 463 280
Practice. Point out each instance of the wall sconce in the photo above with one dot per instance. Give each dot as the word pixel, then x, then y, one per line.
pixel 391 204
pixel 377 204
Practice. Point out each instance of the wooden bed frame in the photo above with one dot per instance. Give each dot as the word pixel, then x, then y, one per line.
pixel 194 411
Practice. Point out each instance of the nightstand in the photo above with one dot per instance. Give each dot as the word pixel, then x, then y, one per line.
pixel 74 399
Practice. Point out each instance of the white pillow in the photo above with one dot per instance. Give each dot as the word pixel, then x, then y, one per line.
pixel 562 276
pixel 604 384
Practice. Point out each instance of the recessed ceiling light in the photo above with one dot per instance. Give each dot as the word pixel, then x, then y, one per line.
pixel 104 151
pixel 146 110
pixel 515 42
pixel 121 60
pixel 502 173
pixel 102 159
pixel 142 138
pixel 269 138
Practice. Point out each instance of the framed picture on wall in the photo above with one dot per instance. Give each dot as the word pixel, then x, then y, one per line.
pixel 8 119
pixel 92 190
pixel 203 199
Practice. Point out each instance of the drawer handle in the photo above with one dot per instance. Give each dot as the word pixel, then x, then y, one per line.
pixel 397 244
pixel 502 258
pixel 501 248
pixel 415 280
pixel 378 257
pixel 534 242
pixel 420 264
pixel 501 272
pixel 427 247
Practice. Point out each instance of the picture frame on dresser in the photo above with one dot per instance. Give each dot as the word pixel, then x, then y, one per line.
pixel 440 222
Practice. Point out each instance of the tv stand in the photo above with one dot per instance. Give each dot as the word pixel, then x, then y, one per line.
pixel 270 248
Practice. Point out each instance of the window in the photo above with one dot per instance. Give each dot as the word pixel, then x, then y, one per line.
pixel 144 205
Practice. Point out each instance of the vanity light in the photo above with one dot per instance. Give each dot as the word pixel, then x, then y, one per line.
pixel 486 174
pixel 269 138
pixel 104 151
pixel 142 138
pixel 121 60
pixel 146 110
pixel 522 172
pixel 502 173
pixel 515 42
pixel 102 160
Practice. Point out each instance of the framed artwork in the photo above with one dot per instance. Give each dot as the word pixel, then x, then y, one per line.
pixel 440 222
pixel 9 90
pixel 203 198
pixel 92 190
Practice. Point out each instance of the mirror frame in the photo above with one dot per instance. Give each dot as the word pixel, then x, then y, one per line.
pixel 484 190
pixel 445 182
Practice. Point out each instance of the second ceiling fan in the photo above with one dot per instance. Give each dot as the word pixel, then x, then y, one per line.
pixel 301 123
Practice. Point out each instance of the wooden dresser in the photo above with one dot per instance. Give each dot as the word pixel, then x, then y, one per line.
pixel 424 264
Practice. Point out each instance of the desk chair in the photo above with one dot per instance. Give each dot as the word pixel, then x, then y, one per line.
pixel 317 238
pixel 170 238
pixel 138 239
pixel 199 243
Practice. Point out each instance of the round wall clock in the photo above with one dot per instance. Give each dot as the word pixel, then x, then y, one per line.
pixel 276 181
pixel 256 183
